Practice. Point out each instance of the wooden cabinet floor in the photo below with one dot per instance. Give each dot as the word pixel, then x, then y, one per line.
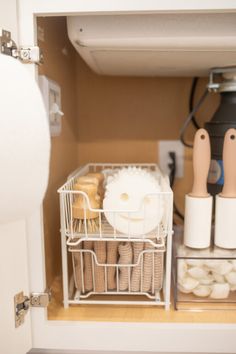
pixel 131 313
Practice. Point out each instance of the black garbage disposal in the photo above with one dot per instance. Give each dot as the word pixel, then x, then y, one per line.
pixel 223 119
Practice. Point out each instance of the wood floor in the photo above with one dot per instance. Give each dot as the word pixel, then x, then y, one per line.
pixel 114 313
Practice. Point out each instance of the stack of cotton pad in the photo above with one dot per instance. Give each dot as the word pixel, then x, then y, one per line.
pixel 213 278
pixel 133 203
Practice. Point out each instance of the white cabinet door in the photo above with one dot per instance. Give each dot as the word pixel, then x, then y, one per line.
pixel 13 250
pixel 13 279
pixel 24 161
pixel 8 17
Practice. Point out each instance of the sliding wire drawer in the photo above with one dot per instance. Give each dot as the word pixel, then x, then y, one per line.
pixel 139 272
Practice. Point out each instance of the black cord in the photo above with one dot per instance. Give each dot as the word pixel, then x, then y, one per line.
pixel 190 117
pixel 191 101
pixel 192 111
pixel 185 143
pixel 172 167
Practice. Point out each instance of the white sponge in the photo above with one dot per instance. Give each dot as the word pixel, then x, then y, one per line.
pixel 133 204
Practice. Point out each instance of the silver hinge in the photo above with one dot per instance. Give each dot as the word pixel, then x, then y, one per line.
pixel 40 299
pixel 22 303
pixel 27 54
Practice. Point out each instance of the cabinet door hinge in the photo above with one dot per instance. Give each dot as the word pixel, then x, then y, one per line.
pixel 26 54
pixel 40 299
pixel 22 303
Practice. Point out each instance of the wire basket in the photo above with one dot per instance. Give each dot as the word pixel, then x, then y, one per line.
pixel 102 228
pixel 92 268
pixel 140 271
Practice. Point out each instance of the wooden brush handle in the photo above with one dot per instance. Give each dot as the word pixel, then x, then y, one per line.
pixel 229 163
pixel 201 163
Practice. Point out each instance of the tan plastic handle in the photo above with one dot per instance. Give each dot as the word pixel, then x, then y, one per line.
pixel 201 164
pixel 229 163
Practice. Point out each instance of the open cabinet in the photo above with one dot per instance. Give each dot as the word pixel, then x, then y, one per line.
pixel 110 120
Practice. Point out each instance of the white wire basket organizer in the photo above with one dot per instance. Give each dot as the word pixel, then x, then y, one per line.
pixel 109 266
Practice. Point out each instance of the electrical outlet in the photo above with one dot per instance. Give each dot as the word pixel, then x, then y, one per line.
pixel 166 146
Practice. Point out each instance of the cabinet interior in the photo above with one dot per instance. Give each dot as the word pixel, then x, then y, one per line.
pixel 110 119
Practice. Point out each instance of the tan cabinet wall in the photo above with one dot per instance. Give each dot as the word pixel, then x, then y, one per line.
pixel 108 119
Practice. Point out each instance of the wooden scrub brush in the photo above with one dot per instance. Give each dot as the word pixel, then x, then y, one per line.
pixel 86 219
pixel 100 177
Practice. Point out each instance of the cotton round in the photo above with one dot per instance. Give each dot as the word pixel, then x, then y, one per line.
pixel 132 203
pixel 202 290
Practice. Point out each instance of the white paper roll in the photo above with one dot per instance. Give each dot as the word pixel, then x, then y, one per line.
pixel 24 142
pixel 225 222
pixel 197 221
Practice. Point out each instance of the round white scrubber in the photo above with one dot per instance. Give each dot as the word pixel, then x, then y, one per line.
pixel 133 204
pixel 208 280
pixel 197 273
pixel 183 290
pixel 188 283
pixel 218 278
pixel 231 278
pixel 220 291
pixel 221 267
pixel 224 267
pixel 182 268
pixel 202 290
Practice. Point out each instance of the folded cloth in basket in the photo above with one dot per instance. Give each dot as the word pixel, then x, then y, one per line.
pixel 136 271
pixel 99 271
pixel 126 256
pixel 112 257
